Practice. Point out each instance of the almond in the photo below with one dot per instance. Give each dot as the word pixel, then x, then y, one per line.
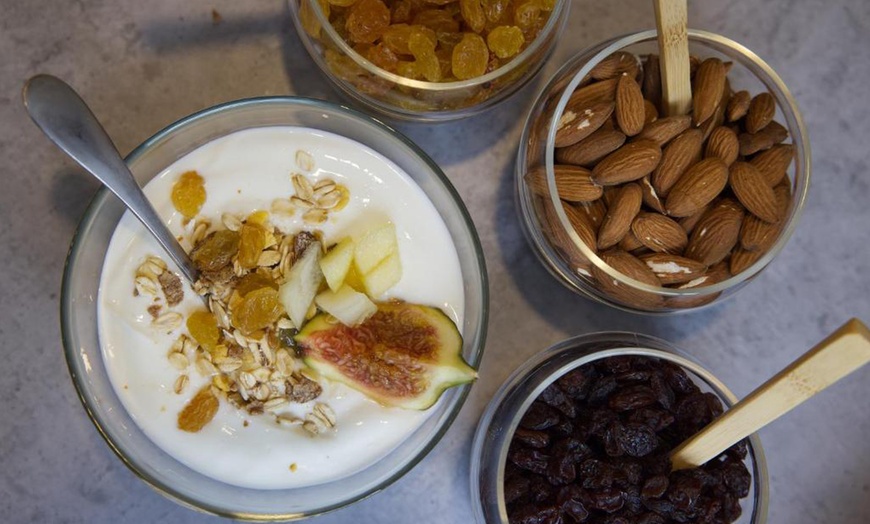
pixel 760 113
pixel 630 243
pixel 752 191
pixel 652 81
pixel 664 129
pixel 632 267
pixel 714 275
pixel 773 133
pixel 573 183
pixel 673 269
pixel 650 197
pixel 629 162
pixel 620 213
pixel 677 156
pixel 650 113
pixel 709 84
pixel 716 233
pixel 698 186
pixel 593 211
pixel 774 162
pixel 723 144
pixel 592 148
pixel 738 106
pixel 558 236
pixel 614 65
pixel 757 234
pixel 578 122
pixel 582 224
pixel 742 259
pixel 594 93
pixel 659 233
pixel 629 106
pixel 688 223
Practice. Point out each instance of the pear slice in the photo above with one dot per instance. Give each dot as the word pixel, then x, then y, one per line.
pixel 337 262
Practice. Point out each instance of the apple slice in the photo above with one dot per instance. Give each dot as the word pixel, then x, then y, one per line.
pixel 384 276
pixel 336 263
pixel 297 293
pixel 377 244
pixel 350 307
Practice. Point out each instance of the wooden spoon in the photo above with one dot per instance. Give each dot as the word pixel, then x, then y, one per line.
pixel 672 25
pixel 844 351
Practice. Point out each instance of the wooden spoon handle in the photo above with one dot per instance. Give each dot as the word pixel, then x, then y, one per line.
pixel 844 351
pixel 672 25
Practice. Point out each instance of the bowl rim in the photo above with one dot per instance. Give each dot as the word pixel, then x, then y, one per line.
pixel 716 42
pixel 618 343
pixel 91 214
pixel 555 19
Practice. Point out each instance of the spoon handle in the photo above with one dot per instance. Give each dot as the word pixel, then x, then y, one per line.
pixel 672 22
pixel 844 351
pixel 65 118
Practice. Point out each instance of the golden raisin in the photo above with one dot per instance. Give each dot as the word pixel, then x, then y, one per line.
pixel 437 20
pixel 254 281
pixel 470 57
pixel 199 411
pixel 252 240
pixel 472 13
pixel 309 20
pixel 188 194
pixel 202 326
pixel 216 251
pixel 505 41
pixel 367 21
pixel 527 14
pixel 423 51
pixel 257 310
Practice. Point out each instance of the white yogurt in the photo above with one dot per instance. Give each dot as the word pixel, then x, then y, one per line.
pixel 244 172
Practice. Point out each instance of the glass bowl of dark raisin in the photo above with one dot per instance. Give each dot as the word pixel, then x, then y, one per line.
pixel 582 433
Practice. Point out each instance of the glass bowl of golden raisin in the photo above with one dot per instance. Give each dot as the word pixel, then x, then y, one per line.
pixel 430 61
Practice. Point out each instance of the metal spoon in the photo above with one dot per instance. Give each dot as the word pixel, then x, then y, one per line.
pixel 65 118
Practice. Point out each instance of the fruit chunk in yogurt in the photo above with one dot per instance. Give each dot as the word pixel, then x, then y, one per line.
pixel 243 174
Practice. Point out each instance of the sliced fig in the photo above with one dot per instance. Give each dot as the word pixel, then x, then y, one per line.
pixel 404 355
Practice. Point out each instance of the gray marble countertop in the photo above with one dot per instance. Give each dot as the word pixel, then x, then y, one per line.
pixel 142 65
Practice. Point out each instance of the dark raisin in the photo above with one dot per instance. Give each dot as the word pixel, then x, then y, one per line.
pixel 654 487
pixel 612 437
pixel 731 508
pixel 561 470
pixel 515 487
pixel 572 448
pixel 637 440
pixel 650 518
pixel 539 489
pixel 608 500
pixel 565 428
pixel 529 459
pixel 633 501
pixel 678 380
pixel 595 474
pixel 600 420
pixel 576 383
pixel 539 416
pixel 574 502
pixel 661 506
pixel 684 491
pixel 533 514
pixel 736 477
pixel 532 438
pixel 739 450
pixel 714 405
pixel 602 388
pixel 617 365
pixel 656 465
pixel 664 394
pixel 554 397
pixel 657 419
pixel 633 376
pixel 632 397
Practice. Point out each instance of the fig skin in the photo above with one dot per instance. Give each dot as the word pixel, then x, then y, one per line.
pixel 405 355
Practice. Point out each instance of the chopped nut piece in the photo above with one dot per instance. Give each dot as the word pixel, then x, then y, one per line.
pixel 172 287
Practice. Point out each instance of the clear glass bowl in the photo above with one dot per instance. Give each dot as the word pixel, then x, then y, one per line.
pixel 502 416
pixel 548 228
pixel 79 312
pixel 395 96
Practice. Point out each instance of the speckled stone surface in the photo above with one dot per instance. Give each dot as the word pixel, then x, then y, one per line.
pixel 141 65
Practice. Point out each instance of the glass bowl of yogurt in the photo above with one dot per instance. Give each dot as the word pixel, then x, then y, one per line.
pixel 566 377
pixel 244 463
